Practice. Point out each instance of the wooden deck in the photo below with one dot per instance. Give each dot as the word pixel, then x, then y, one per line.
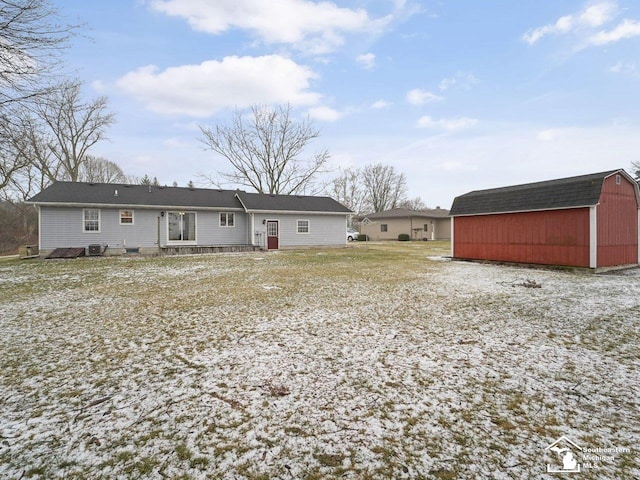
pixel 195 249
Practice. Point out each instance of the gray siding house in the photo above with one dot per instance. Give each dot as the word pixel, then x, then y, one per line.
pixel 152 219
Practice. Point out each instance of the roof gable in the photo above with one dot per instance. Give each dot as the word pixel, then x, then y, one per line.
pixel 571 192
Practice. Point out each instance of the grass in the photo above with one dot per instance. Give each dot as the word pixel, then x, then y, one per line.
pixel 379 360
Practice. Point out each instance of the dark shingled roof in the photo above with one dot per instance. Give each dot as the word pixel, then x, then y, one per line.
pixel 294 203
pixel 79 193
pixel 569 192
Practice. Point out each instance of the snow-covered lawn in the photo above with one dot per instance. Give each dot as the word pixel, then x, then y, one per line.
pixel 372 361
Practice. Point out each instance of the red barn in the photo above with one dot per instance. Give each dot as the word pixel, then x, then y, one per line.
pixel 587 221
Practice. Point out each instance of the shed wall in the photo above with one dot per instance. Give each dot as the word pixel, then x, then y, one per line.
pixel 555 237
pixel 617 220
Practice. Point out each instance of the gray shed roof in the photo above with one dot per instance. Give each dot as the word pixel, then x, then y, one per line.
pixel 96 194
pixel 405 213
pixel 580 191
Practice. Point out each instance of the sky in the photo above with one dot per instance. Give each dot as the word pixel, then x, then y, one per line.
pixel 457 95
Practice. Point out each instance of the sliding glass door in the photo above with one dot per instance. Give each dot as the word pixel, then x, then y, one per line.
pixel 182 226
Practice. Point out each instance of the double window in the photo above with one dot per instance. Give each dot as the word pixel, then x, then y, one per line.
pixel 227 219
pixel 91 220
pixel 303 226
pixel 182 226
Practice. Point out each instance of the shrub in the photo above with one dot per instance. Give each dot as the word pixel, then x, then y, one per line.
pixel 362 237
pixel 404 237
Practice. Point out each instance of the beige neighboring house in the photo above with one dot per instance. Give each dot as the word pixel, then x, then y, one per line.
pixel 429 224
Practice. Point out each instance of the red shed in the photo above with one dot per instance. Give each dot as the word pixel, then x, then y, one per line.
pixel 587 221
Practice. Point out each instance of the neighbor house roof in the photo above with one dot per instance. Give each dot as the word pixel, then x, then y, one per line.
pixel 571 192
pixel 405 213
pixel 109 194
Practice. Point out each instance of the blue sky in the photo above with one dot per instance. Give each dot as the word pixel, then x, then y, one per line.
pixel 457 95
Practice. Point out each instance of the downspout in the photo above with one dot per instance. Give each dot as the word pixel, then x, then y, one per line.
pixel 159 247
pixel 252 236
pixel 40 228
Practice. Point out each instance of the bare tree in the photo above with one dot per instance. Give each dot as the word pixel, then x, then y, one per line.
pixel 415 203
pixel 32 36
pixel 635 169
pixel 347 188
pixel 266 151
pixel 101 170
pixel 71 126
pixel 384 187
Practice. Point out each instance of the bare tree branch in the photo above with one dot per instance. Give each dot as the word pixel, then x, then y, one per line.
pixel 385 188
pixel 266 151
pixel 73 126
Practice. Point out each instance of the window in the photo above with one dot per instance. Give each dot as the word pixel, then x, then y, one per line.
pixel 227 220
pixel 91 217
pixel 182 226
pixel 126 217
pixel 618 179
pixel 383 227
pixel 426 227
pixel 303 226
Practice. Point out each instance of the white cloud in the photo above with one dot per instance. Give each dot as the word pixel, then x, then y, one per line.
pixel 367 60
pixel 99 86
pixel 314 27
pixel 626 29
pixel 420 97
pixel 380 104
pixel 201 90
pixel 548 135
pixel 624 68
pixel 462 79
pixel 592 16
pixel 449 125
pixel 325 114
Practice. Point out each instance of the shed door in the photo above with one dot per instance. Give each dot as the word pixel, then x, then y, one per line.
pixel 272 235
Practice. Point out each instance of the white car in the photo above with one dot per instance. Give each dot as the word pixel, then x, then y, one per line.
pixel 352 234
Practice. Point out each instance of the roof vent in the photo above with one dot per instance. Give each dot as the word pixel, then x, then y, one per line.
pixel 149 188
pixel 115 194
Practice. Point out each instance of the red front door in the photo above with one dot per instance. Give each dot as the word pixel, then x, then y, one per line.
pixel 272 235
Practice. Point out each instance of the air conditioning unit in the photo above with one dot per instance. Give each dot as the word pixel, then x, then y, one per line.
pixel 95 250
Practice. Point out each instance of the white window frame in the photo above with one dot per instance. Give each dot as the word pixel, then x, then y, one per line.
pixel 226 219
pixel 132 217
pixel 195 227
pixel 84 220
pixel 308 226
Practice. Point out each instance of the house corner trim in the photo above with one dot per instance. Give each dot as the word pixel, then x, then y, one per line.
pixel 593 237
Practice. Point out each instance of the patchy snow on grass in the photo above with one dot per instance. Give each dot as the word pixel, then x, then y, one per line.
pixel 373 361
